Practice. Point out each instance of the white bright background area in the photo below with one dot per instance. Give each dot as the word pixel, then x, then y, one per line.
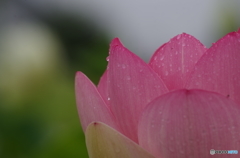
pixel 143 25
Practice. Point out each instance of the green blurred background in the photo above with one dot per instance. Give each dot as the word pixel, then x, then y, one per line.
pixel 38 62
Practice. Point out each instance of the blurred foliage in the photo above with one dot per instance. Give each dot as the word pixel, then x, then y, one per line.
pixel 45 123
pixel 229 18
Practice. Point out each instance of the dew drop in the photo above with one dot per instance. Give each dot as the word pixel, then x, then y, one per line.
pixel 128 78
pixel 123 66
pixel 178 36
pixel 108 98
pixel 162 58
pixel 107 58
pixel 166 73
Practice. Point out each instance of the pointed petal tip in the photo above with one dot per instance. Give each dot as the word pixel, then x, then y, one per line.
pixel 79 75
pixel 219 61
pixel 176 59
pixel 90 104
pixel 116 42
pixel 115 46
pixel 132 84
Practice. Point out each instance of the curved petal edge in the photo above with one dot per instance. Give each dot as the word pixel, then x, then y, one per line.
pixel 218 70
pixel 175 60
pixel 91 106
pixel 132 84
pixel 188 123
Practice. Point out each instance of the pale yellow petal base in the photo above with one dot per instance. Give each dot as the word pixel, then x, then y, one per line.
pixel 105 142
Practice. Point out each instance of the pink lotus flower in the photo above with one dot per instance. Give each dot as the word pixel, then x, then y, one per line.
pixel 182 104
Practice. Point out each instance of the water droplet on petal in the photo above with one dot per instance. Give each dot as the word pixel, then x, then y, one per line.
pixel 166 73
pixel 108 98
pixel 178 36
pixel 162 57
pixel 128 78
pixel 107 58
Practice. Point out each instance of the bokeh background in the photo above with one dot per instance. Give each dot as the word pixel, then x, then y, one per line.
pixel 44 42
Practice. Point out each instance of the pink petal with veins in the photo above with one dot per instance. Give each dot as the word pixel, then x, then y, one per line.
pixel 219 68
pixel 91 106
pixel 132 85
pixel 175 60
pixel 103 87
pixel 188 123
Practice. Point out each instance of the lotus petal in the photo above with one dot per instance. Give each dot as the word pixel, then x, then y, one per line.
pixel 91 106
pixel 188 123
pixel 103 87
pixel 219 68
pixel 105 142
pixel 175 60
pixel 132 85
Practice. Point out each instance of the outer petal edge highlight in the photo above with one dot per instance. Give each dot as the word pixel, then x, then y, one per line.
pixel 91 106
